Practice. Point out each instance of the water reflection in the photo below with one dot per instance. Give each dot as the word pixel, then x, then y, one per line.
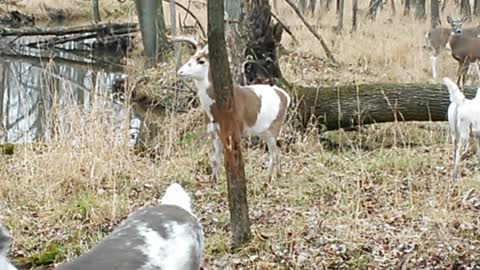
pixel 38 94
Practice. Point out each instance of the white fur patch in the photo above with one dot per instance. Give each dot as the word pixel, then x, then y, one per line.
pixel 5 264
pixel 176 195
pixel 212 127
pixel 447 46
pixel 205 100
pixel 269 108
pixel 168 254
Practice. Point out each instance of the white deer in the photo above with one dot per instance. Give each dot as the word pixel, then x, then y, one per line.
pixel 463 119
pixel 260 108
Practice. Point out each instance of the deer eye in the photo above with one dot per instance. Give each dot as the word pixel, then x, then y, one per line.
pixel 201 61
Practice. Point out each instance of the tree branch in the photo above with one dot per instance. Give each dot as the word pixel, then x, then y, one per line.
pixel 310 28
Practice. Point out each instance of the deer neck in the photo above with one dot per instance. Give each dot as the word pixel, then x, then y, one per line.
pixel 205 95
pixel 453 41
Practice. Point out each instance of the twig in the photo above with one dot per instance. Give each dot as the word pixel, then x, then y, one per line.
pixel 197 21
pixel 287 29
pixel 310 28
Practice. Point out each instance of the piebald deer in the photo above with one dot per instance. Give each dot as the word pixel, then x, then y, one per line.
pixel 437 42
pixel 260 108
pixel 465 50
pixel 167 236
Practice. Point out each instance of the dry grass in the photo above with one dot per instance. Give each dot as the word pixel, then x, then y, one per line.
pixel 380 197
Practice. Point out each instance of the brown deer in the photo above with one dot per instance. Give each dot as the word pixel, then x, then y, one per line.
pixel 465 50
pixel 437 40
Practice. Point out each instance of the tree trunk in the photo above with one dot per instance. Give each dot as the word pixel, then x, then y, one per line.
pixel 328 4
pixel 235 38
pixel 435 13
pixel 163 46
pixel 392 3
pixel 354 15
pixel 373 8
pixel 465 8
pixel 173 29
pixel 96 11
pixel 420 10
pixel 406 8
pixel 229 130
pixel 339 27
pixel 261 44
pixel 476 8
pixel 338 107
pixel 302 5
pixel 147 13
pixel 312 6
pixel 444 5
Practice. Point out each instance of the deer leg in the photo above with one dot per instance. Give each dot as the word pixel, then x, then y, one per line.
pixel 272 151
pixel 478 147
pixel 458 156
pixel 477 65
pixel 462 70
pixel 455 146
pixel 213 130
pixel 278 162
pixel 433 63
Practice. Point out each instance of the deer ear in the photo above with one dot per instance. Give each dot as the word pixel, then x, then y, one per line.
pixel 465 19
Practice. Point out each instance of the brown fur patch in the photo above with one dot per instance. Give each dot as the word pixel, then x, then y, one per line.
pixel 277 123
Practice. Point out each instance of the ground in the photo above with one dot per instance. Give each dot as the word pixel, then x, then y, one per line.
pixel 379 197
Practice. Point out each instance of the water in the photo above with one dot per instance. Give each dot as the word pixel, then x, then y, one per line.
pixel 37 94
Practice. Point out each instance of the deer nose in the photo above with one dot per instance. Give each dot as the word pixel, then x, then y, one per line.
pixel 458 31
pixel 180 72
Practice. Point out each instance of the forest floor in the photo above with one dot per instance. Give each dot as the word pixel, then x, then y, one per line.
pixel 380 197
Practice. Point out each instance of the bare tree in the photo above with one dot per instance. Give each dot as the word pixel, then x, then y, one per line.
pixel 96 11
pixel 373 8
pixel 444 5
pixel 173 29
pixel 465 8
pixel 434 13
pixel 312 6
pixel 302 5
pixel 354 15
pixel 420 13
pixel 476 8
pixel 392 3
pixel 339 27
pixel 406 8
pixel 163 45
pixel 229 131
pixel 147 15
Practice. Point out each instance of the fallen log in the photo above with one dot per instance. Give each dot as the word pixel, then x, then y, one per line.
pixel 61 31
pixel 347 106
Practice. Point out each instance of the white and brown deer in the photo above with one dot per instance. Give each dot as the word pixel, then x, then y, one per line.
pixel 465 49
pixel 437 41
pixel 261 108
